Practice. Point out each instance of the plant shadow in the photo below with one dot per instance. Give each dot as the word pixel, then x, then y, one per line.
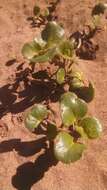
pixel 84 93
pixel 29 173
pixel 28 89
pixel 10 62
pixel 23 148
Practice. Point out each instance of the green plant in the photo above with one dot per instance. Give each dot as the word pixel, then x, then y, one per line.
pixel 47 14
pixel 67 139
pixel 39 14
pixel 53 46
pixel 51 43
pixel 97 11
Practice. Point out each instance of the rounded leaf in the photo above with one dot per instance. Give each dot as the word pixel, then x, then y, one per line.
pixel 39 111
pixel 66 49
pixel 67 116
pixel 66 150
pixel 52 33
pixel 63 143
pixel 68 98
pixel 76 83
pixel 60 76
pixel 76 151
pixel 46 12
pixel 96 20
pixel 71 103
pixel 31 122
pixel 77 74
pixel 81 132
pixel 46 56
pixel 79 108
pixel 92 127
pixel 37 114
pixel 36 11
pixel 40 41
pixel 29 50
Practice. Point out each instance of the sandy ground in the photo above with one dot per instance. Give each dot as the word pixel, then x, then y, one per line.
pixel 21 166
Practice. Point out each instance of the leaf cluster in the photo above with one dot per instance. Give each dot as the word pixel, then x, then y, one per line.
pixel 45 15
pixel 73 112
pixel 51 43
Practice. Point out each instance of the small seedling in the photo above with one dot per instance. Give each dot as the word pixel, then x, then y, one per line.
pixel 97 12
pixel 45 15
pixel 99 9
pixel 40 15
pixel 85 47
pixel 68 138
pixel 51 44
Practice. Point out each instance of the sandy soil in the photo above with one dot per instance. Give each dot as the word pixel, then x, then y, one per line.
pixel 25 164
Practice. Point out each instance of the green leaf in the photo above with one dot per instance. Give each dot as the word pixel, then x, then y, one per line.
pixel 53 33
pixel 39 111
pixel 67 116
pixel 46 12
pixel 51 131
pixel 37 114
pixel 96 20
pixel 36 11
pixel 79 108
pixel 70 103
pixel 68 99
pixel 92 127
pixel 76 83
pixel 76 79
pixel 60 76
pixel 31 122
pixel 66 150
pixel 66 49
pixel 77 74
pixel 81 131
pixel 76 151
pixel 31 49
pixel 40 41
pixel 46 56
pixel 63 143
